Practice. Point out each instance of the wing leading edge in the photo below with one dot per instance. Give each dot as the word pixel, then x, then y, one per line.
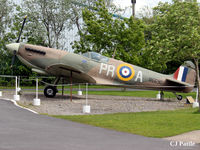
pixel 65 71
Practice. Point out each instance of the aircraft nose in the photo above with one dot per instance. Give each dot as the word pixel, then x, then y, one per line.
pixel 13 47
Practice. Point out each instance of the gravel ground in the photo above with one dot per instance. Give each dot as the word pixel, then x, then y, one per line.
pixel 61 105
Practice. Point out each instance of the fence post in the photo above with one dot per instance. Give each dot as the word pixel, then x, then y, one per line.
pixel 18 88
pixel 79 90
pixel 16 96
pixel 196 103
pixel 36 101
pixel 86 108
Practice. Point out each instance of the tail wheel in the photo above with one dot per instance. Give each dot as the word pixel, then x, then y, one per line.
pixel 50 91
pixel 179 97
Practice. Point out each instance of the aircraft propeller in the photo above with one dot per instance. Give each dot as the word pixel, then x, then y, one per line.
pixel 19 37
pixel 21 29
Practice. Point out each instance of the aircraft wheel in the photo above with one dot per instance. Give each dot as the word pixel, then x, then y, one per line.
pixel 50 91
pixel 179 97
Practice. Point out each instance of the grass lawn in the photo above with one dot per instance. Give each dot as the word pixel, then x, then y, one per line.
pixel 150 94
pixel 59 87
pixel 147 94
pixel 151 124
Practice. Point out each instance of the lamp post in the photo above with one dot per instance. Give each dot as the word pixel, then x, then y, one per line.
pixel 133 7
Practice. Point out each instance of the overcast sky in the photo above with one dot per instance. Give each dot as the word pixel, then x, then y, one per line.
pixel 139 4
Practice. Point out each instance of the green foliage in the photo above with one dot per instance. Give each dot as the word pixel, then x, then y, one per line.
pixel 175 34
pixel 104 34
pixel 5 20
pixel 151 124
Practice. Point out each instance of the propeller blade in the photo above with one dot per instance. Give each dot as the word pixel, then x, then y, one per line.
pixel 13 58
pixel 21 29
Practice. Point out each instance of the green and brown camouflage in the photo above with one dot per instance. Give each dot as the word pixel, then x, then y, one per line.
pixel 97 69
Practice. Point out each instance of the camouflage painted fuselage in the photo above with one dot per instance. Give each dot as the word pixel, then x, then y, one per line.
pixel 110 72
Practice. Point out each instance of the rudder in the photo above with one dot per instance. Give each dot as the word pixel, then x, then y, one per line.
pixel 186 73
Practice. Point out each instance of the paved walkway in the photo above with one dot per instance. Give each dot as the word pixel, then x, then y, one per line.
pixel 23 130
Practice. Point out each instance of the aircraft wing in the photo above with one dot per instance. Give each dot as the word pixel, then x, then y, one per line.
pixel 65 71
pixel 178 83
pixel 59 68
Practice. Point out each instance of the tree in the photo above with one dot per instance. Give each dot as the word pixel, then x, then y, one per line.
pixel 10 36
pixel 5 10
pixel 146 14
pixel 175 33
pixel 76 12
pixel 105 34
pixel 76 7
pixel 49 19
pixel 5 13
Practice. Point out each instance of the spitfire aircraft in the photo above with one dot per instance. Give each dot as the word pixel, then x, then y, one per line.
pixel 95 68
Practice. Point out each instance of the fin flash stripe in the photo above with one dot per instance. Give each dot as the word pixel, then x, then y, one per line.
pixel 181 74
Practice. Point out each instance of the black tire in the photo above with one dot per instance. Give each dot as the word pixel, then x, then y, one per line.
pixel 179 97
pixel 50 91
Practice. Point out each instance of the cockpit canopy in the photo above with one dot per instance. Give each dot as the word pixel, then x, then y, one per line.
pixel 96 56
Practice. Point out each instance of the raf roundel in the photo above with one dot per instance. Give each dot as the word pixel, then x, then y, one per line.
pixel 125 72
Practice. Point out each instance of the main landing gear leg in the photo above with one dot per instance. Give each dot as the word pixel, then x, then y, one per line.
pixel 63 86
pixel 50 91
pixel 162 95
pixel 179 97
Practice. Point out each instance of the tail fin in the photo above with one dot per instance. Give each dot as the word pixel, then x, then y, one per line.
pixel 186 73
